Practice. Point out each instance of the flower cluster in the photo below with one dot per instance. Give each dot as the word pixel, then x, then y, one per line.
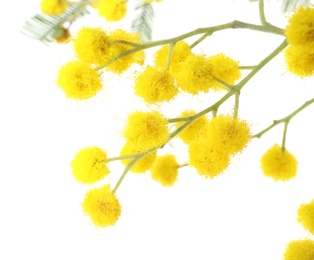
pixel 89 166
pixel 300 35
pixel 81 79
pixel 303 249
pixel 216 142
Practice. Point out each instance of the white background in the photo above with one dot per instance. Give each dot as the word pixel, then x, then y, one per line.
pixel 238 215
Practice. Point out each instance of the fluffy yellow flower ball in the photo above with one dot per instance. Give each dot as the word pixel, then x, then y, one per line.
pixel 179 54
pixel 146 130
pixel 225 69
pixel 306 216
pixel 193 129
pixel 143 164
pixel 122 64
pixel 89 165
pixel 300 60
pixel 165 170
pixel 78 80
pixel 112 10
pixel 231 134
pixel 53 7
pixel 207 157
pixel 91 45
pixel 102 206
pixel 195 74
pixel 155 85
pixel 300 29
pixel 299 250
pixel 279 164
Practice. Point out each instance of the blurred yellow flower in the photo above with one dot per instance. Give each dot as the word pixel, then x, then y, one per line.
pixel 165 169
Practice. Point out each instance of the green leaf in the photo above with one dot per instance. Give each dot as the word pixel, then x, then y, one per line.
pixel 45 27
pixel 143 21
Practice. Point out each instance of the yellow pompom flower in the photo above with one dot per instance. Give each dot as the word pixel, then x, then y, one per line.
pixel 306 216
pixel 279 164
pixel 91 45
pixel 300 60
pixel 299 250
pixel 300 29
pixel 155 85
pixel 225 69
pixel 89 165
pixel 112 10
pixel 143 164
pixel 165 170
pixel 208 158
pixel 53 7
pixel 145 130
pixel 102 206
pixel 122 64
pixel 195 74
pixel 179 54
pixel 78 80
pixel 193 129
pixel 231 134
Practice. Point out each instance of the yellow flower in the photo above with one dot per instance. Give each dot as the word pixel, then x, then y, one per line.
pixel 122 64
pixel 225 69
pixel 89 165
pixel 155 85
pixel 300 250
pixel 300 60
pixel 279 164
pixel 165 170
pixel 231 134
pixel 53 7
pixel 112 10
pixel 306 216
pixel 300 29
pixel 145 130
pixel 179 54
pixel 102 206
pixel 143 164
pixel 207 157
pixel 91 45
pixel 195 74
pixel 78 80
pixel 192 130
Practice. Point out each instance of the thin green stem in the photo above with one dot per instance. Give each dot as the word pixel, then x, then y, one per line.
pixel 202 38
pixel 118 158
pixel 236 104
pixel 262 13
pixel 284 119
pixel 171 46
pixel 283 145
pixel 232 25
pixel 247 67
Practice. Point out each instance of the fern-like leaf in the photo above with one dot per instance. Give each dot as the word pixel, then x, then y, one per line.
pixel 289 5
pixel 45 27
pixel 143 20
